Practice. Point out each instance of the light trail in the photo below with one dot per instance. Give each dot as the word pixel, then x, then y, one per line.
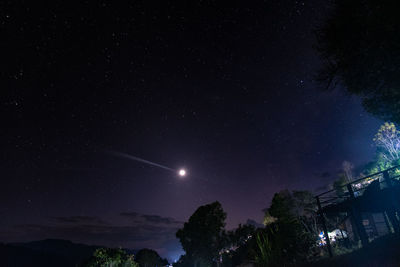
pixel 180 172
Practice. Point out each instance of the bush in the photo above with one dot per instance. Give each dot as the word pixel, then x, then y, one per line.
pixel 110 257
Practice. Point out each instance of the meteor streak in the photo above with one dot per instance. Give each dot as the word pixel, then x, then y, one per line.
pixel 127 156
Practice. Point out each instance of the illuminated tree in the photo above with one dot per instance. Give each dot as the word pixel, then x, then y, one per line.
pixel 388 142
pixel 268 219
pixel 110 257
pixel 348 170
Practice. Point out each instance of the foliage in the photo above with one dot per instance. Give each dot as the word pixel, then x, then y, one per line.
pixel 298 205
pixel 290 238
pixel 202 237
pixel 240 235
pixel 149 258
pixel 268 219
pixel 339 184
pixel 283 243
pixel 110 257
pixel 263 255
pixel 182 262
pixel 348 167
pixel 388 139
pixel 185 261
pixel 379 164
pixel 359 46
pixel 282 205
pixel 239 245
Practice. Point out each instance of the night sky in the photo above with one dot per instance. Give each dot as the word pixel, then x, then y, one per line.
pixel 225 91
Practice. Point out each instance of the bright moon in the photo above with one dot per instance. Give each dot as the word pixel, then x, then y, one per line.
pixel 182 172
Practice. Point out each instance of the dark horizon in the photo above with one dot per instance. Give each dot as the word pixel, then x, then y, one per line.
pixel 226 92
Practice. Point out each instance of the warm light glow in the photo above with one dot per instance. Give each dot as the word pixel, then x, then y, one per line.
pixel 182 172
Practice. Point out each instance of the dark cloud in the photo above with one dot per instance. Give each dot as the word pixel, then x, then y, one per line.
pixel 79 219
pixel 254 223
pixel 150 218
pixel 130 214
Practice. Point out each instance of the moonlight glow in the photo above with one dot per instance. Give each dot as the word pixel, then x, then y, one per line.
pixel 182 172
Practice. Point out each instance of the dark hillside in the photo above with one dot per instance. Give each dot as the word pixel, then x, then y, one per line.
pixel 50 252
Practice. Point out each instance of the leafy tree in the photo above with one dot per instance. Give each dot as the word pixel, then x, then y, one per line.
pixel 296 205
pixel 240 235
pixel 388 139
pixel 339 184
pixel 290 238
pixel 149 258
pixel 348 170
pixel 359 44
pixel 110 257
pixel 344 177
pixel 268 219
pixel 283 243
pixel 287 239
pixel 238 245
pixel 378 165
pixel 202 236
pixel 183 262
pixel 282 206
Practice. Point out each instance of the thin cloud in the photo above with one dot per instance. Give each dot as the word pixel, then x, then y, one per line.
pixel 79 219
pixel 150 218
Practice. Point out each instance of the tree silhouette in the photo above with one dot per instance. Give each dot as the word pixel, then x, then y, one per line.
pixel 202 236
pixel 359 44
pixel 150 258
